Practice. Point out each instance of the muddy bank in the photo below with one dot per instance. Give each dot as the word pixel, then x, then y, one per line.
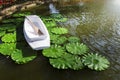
pixel 18 7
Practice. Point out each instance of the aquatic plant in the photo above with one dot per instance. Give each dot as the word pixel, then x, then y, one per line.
pixel 77 63
pixel 66 61
pixel 59 40
pixel 7 27
pixel 22 57
pixel 22 14
pixel 58 18
pixel 59 30
pixel 7 49
pixel 2 33
pixel 9 37
pixel 54 51
pixel 95 62
pixel 73 39
pixel 49 22
pixel 53 36
pixel 8 21
pixel 76 48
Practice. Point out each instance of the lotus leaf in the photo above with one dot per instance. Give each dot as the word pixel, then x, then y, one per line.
pixel 7 48
pixel 60 40
pixel 77 63
pixel 73 39
pixel 59 18
pixel 53 36
pixel 59 30
pixel 21 57
pixel 8 21
pixel 2 33
pixel 96 62
pixel 7 26
pixel 76 48
pixel 54 51
pixel 9 37
pixel 67 61
pixel 49 22
pixel 21 14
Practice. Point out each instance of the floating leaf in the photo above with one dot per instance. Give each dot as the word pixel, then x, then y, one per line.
pixel 67 61
pixel 73 39
pixel 22 14
pixel 76 48
pixel 49 22
pixel 53 36
pixel 8 21
pixel 10 37
pixel 22 57
pixel 7 48
pixel 54 51
pixel 59 40
pixel 7 26
pixel 59 18
pixel 59 30
pixel 96 62
pixel 2 33
pixel 77 63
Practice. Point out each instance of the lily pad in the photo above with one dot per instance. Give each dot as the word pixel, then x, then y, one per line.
pixel 59 40
pixel 76 48
pixel 7 27
pixel 49 22
pixel 22 57
pixel 73 39
pixel 2 33
pixel 59 30
pixel 59 18
pixel 53 36
pixel 96 62
pixel 67 61
pixel 10 37
pixel 7 48
pixel 22 14
pixel 54 51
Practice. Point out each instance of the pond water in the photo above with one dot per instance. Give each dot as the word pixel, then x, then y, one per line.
pixel 97 23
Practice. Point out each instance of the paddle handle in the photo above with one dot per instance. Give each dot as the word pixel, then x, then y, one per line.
pixel 36 29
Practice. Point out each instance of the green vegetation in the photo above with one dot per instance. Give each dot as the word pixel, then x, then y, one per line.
pixel 66 51
pixel 95 62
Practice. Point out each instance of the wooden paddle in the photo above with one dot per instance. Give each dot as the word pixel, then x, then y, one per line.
pixel 36 29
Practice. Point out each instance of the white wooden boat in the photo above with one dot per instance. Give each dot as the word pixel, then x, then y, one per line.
pixel 36 33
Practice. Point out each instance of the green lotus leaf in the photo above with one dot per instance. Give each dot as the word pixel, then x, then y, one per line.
pixel 9 37
pixel 59 30
pixel 54 51
pixel 64 62
pixel 59 40
pixel 2 33
pixel 76 48
pixel 77 63
pixel 53 36
pixel 22 14
pixel 22 57
pixel 49 22
pixel 73 39
pixel 95 62
pixel 67 61
pixel 59 18
pixel 8 21
pixel 7 26
pixel 7 48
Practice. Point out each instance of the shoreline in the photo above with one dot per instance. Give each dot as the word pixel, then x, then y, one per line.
pixel 18 7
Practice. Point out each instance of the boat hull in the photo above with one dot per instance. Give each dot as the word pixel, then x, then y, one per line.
pixel 36 42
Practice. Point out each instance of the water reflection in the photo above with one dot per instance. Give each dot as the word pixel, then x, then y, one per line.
pixel 97 24
pixel 99 28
